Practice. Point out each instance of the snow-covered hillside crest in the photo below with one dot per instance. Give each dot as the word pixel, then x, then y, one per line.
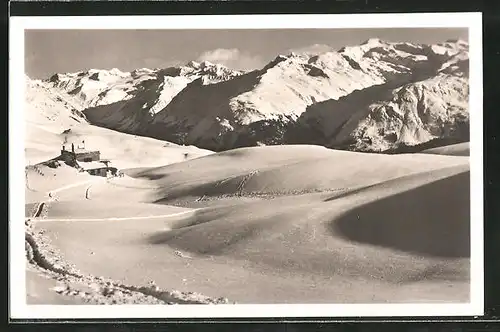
pixel 46 105
pixel 47 113
pixel 373 96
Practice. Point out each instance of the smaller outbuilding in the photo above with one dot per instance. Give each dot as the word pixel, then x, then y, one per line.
pixel 98 168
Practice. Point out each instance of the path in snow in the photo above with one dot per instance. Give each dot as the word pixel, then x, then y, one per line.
pixel 92 289
pixel 115 218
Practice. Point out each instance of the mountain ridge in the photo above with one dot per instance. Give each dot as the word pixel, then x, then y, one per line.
pixel 369 97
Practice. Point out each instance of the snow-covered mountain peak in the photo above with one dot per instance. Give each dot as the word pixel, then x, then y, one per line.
pixel 144 91
pixel 279 58
pixel 203 65
pixel 374 42
pixel 213 72
pixel 106 75
pixel 206 64
pixel 283 61
pixel 374 48
pixel 118 72
pixel 92 74
pixel 212 106
pixel 142 71
pixel 458 41
pixel 450 47
pixel 193 64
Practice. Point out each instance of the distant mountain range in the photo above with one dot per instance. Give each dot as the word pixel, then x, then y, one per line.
pixel 377 96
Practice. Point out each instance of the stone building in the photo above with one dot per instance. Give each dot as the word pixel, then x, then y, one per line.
pixel 87 161
pixel 79 154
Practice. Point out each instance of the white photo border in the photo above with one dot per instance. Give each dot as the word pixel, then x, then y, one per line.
pixel 17 268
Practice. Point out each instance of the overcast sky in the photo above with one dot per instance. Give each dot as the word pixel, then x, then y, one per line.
pixel 57 51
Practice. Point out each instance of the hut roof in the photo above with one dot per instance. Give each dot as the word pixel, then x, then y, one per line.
pixel 81 150
pixel 91 165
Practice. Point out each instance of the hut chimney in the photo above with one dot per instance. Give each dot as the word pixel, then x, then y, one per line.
pixel 64 148
pixel 72 147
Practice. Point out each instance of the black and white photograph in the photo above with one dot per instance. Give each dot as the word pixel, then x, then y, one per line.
pixel 273 165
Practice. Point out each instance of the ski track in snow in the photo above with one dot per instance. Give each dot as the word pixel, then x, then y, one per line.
pixel 48 262
pixel 116 218
pixel 45 259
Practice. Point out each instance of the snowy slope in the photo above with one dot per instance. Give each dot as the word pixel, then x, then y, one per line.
pixel 372 96
pixel 46 113
pixel 53 119
pixel 46 104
